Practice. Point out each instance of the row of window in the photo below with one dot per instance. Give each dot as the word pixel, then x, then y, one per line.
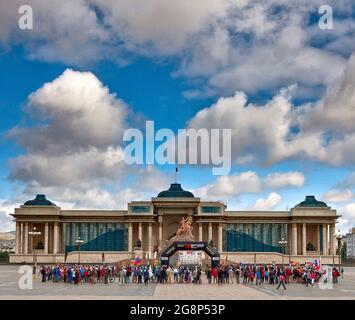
pixel 146 209
pixel 255 237
pixel 95 236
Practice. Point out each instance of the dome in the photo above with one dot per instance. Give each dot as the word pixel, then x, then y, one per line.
pixel 40 200
pixel 311 202
pixel 175 191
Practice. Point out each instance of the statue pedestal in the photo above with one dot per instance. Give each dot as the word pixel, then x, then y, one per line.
pixel 182 238
pixel 138 253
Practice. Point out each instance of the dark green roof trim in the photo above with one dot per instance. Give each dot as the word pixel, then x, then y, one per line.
pixel 175 191
pixel 311 202
pixel 40 200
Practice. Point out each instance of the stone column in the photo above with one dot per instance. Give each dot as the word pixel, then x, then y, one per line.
pixel 160 234
pixel 332 238
pixel 294 239
pixel 304 236
pixel 210 235
pixel 318 239
pixel 18 238
pixel 220 237
pixel 200 231
pixel 25 248
pixel 140 232
pixel 56 238
pixel 150 240
pixel 130 232
pixel 22 240
pixel 46 237
pixel 325 251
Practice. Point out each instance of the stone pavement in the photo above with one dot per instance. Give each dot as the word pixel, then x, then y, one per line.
pixel 9 290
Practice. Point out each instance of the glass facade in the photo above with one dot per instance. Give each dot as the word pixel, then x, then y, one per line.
pixel 96 236
pixel 140 209
pixel 210 209
pixel 254 237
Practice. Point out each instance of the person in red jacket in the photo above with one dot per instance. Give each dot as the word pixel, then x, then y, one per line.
pixel 214 274
pixel 288 275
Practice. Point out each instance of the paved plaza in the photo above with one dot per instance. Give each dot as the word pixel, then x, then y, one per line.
pixel 9 289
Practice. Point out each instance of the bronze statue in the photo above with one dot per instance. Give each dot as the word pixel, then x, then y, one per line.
pixel 138 244
pixel 185 229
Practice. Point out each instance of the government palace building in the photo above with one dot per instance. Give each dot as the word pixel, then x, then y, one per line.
pixel 303 233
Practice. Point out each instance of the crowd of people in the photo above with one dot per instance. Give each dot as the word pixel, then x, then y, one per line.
pixel 76 274
pixel 258 275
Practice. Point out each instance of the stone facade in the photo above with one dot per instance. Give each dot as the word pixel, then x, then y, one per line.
pixel 310 229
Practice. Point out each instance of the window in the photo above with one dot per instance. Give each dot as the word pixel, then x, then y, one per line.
pixel 211 209
pixel 140 209
pixel 255 237
pixel 96 236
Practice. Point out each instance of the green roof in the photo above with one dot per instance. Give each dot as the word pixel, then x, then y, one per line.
pixel 175 191
pixel 311 202
pixel 40 200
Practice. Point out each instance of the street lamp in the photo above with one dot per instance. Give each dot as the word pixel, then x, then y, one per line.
pixel 33 234
pixel 79 242
pixel 283 244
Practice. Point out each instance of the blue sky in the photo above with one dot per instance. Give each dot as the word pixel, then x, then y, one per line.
pixel 283 86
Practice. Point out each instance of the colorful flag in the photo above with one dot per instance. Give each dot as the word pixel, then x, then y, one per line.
pixel 137 260
pixel 316 264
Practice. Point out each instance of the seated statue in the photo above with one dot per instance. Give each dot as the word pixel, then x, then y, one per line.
pixel 310 247
pixel 39 245
pixel 139 244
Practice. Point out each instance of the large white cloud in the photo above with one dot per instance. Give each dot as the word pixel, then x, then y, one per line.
pixel 264 130
pixel 339 195
pixel 78 110
pixel 348 217
pixel 226 187
pixel 277 130
pixel 73 150
pixel 6 208
pixel 234 45
pixel 272 201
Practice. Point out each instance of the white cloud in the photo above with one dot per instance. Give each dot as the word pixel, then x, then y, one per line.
pixel 287 179
pixel 6 223
pixel 339 195
pixel 268 140
pixel 277 130
pixel 273 200
pixel 78 111
pixel 226 187
pixel 348 217
pixel 160 26
pixel 234 45
pixel 73 150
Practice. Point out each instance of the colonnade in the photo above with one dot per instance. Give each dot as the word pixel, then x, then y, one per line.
pixel 328 238
pixel 50 234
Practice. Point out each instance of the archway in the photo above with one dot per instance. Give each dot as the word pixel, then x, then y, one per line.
pixel 191 246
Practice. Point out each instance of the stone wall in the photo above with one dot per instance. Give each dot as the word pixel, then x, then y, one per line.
pixel 274 257
pixel 72 257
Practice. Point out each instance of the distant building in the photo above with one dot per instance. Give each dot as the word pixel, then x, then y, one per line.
pixel 7 242
pixel 350 244
pixel 7 246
